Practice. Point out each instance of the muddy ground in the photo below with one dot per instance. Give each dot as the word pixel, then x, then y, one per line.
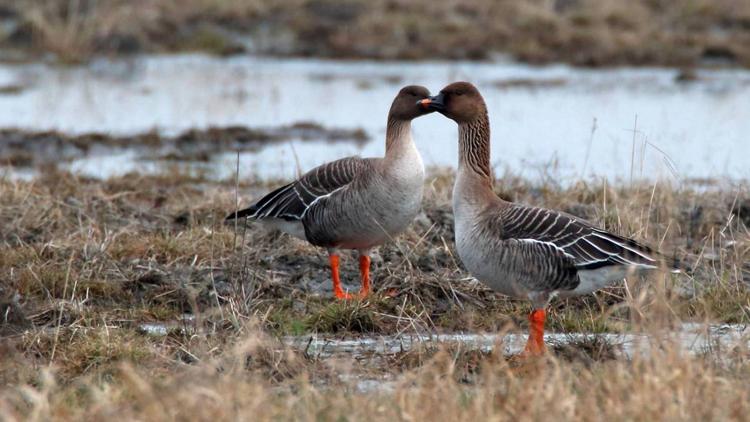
pixel 580 32
pixel 23 149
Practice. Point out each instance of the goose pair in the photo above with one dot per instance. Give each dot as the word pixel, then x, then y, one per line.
pixel 354 203
pixel 520 251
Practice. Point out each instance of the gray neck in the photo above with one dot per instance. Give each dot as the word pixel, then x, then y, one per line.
pixel 474 149
pixel 397 138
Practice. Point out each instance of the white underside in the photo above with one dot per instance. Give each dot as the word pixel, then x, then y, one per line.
pixel 600 278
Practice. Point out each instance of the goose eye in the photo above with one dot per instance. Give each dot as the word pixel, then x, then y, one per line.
pixel 459 93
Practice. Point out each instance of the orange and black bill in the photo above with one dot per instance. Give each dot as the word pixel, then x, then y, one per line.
pixel 433 103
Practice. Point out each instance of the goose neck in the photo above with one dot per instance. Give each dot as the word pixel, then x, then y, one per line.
pixel 474 150
pixel 398 140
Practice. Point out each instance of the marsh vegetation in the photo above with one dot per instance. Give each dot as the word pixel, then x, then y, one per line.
pixel 86 262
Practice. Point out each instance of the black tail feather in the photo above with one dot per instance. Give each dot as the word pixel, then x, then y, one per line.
pixel 242 213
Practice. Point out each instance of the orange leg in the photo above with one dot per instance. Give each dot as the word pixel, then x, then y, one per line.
pixel 337 290
pixel 364 272
pixel 535 344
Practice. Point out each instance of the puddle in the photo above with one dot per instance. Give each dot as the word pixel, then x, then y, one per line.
pixel 692 338
pixel 161 329
pixel 540 115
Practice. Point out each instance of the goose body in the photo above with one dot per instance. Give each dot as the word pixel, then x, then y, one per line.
pixel 351 203
pixel 521 251
pixel 354 203
pixel 536 253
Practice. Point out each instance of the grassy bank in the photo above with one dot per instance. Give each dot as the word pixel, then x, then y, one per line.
pixel 581 32
pixel 85 262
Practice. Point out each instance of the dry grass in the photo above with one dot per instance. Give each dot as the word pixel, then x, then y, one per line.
pixel 74 30
pixel 582 32
pixel 84 262
pixel 258 378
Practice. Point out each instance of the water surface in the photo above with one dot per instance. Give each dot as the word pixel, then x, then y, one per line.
pixel 579 122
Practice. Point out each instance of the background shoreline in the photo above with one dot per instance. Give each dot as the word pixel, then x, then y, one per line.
pixel 578 32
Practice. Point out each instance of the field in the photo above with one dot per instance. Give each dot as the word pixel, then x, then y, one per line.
pixel 581 32
pixel 88 265
pixel 126 296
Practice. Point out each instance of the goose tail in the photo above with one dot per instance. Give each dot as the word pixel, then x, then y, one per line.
pixel 247 212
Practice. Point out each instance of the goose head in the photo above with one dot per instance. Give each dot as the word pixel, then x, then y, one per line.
pixel 406 106
pixel 459 101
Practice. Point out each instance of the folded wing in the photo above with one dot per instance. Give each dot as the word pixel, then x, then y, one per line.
pixel 295 200
pixel 589 247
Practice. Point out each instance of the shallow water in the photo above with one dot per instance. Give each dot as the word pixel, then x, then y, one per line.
pixel 539 115
pixel 691 338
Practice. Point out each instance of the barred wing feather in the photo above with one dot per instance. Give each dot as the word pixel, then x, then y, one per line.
pixel 589 247
pixel 293 201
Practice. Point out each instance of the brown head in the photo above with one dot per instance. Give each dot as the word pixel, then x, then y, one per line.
pixel 460 101
pixel 406 106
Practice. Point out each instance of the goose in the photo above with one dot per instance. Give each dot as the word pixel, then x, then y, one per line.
pixel 354 203
pixel 522 251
